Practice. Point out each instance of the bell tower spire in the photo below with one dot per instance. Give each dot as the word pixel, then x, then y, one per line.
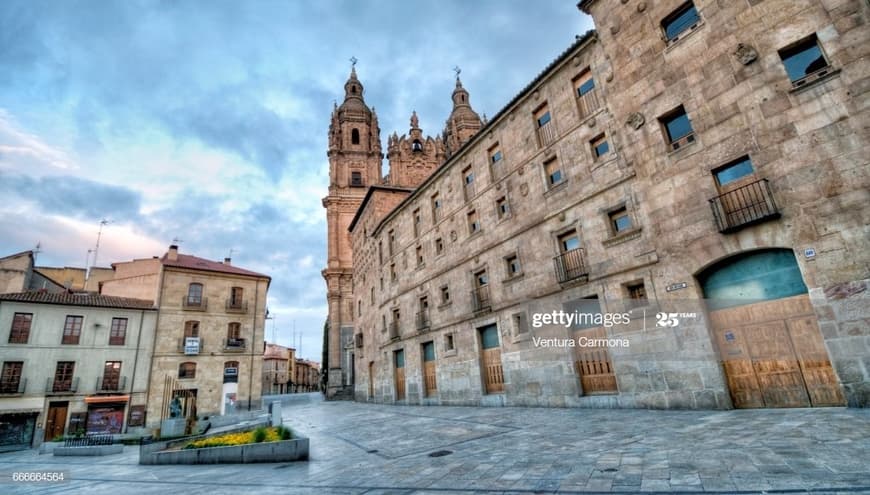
pixel 463 122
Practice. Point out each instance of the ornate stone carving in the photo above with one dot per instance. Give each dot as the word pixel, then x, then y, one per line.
pixel 524 189
pixel 614 28
pixel 635 119
pixel 746 54
pixel 453 235
pixel 641 6
pixel 591 122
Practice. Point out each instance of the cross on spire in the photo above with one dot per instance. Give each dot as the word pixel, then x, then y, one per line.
pixel 353 61
pixel 457 70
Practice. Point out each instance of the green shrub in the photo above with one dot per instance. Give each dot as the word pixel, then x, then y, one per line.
pixel 284 433
pixel 58 438
pixel 259 435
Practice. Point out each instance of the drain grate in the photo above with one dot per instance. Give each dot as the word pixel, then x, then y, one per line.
pixel 373 451
pixel 609 470
pixel 440 453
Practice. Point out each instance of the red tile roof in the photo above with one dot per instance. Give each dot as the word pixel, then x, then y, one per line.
pixel 196 263
pixel 68 299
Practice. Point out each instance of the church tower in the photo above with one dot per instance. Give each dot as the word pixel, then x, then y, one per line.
pixel 354 164
pixel 412 157
pixel 463 122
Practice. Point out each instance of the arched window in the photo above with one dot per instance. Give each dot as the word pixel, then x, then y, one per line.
pixel 191 329
pixel 417 145
pixel 187 370
pixel 354 136
pixel 194 294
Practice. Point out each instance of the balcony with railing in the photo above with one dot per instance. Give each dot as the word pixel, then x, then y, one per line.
pixel 55 386
pixel 422 319
pixel 546 134
pixel 747 205
pixel 194 303
pixel 480 300
pixel 571 266
pixel 235 344
pixel 393 330
pixel 111 384
pixel 190 350
pixel 240 307
pixel 13 387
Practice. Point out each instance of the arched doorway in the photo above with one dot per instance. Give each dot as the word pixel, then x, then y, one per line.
pixel 766 332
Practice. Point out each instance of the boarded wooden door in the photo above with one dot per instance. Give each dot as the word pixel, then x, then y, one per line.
pixel 56 420
pixel 774 355
pixel 593 365
pixel 490 358
pixel 400 374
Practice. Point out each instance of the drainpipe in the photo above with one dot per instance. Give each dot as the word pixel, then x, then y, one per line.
pixel 251 367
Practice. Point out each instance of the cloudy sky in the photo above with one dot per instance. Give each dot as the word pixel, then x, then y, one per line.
pixel 207 121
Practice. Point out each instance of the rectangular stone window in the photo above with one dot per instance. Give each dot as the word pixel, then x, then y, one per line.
pixel 439 246
pixel 356 179
pixel 391 242
pixel 468 182
pixel 512 264
pixel 448 342
pixel 584 91
pixel 118 332
pixel 677 128
pixel 553 170
pixel 417 222
pixel 436 207
pixel 20 331
pixel 569 241
pixel 473 222
pixel 393 275
pixel 619 220
pixel 545 129
pixel 445 294
pixel 419 253
pixel 636 292
pixel 600 146
pixel 502 208
pixel 372 295
pixel 804 61
pixel 733 171
pixel 72 330
pixel 495 160
pixel 10 378
pixel 682 20
pixel 520 324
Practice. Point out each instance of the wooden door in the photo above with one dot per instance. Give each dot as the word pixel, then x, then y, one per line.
pixel 55 421
pixel 400 375
pixel 490 358
pixel 430 384
pixel 371 380
pixel 593 366
pixel 774 355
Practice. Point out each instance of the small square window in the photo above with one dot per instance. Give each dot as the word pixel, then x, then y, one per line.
pixel 636 294
pixel 677 128
pixel 679 21
pixel 619 220
pixel 803 59
pixel 554 172
pixel 733 171
pixel 520 324
pixel 502 208
pixel 439 246
pixel 512 263
pixel 448 342
pixel 600 146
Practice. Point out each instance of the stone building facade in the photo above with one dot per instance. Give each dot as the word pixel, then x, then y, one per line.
pixel 279 367
pixel 210 330
pixel 689 180
pixel 72 362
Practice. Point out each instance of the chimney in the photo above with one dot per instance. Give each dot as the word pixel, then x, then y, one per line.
pixel 227 261
pixel 172 255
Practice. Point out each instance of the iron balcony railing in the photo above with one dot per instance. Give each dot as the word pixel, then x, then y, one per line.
pixel 423 320
pixel 89 440
pixel 60 386
pixel 394 330
pixel 233 344
pixel 547 134
pixel 744 206
pixel 571 265
pixel 13 386
pixel 111 383
pixel 194 304
pixel 236 306
pixel 480 300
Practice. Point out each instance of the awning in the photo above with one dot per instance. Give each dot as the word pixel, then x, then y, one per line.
pixel 103 399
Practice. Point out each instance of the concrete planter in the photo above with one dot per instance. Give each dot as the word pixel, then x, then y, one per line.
pixel 287 450
pixel 93 450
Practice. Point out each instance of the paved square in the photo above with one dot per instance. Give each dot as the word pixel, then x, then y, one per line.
pixel 378 449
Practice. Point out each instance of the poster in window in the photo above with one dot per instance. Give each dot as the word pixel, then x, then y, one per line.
pixel 137 416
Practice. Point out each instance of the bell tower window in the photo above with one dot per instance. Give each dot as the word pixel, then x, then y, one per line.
pixel 354 136
pixel 417 146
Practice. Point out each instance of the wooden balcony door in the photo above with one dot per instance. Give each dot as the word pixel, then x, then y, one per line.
pixel 399 360
pixel 490 359
pixel 55 421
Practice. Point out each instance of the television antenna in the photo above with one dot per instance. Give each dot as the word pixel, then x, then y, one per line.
pixel 103 223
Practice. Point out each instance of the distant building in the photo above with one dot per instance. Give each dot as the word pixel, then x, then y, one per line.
pixel 17 274
pixel 279 367
pixel 72 363
pixel 78 279
pixel 307 376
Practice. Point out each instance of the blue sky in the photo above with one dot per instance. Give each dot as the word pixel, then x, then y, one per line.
pixel 207 121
